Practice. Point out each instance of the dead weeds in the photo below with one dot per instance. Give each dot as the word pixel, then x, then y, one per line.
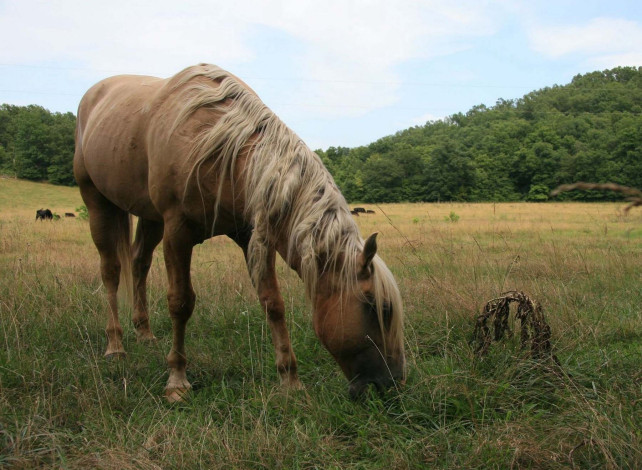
pixel 534 330
pixel 634 196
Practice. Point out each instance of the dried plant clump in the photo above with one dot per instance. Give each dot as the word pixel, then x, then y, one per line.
pixel 634 196
pixel 534 329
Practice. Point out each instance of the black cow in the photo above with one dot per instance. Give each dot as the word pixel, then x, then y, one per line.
pixel 70 214
pixel 359 209
pixel 44 214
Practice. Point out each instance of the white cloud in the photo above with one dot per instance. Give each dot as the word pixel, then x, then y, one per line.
pixel 350 47
pixel 126 36
pixel 353 47
pixel 423 119
pixel 602 41
pixel 609 61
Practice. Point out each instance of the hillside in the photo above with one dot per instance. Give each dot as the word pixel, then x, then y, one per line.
pixel 588 130
pixel 24 198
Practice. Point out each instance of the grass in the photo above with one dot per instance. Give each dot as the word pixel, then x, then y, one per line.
pixel 24 198
pixel 63 406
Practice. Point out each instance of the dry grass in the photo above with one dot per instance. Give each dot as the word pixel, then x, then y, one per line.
pixel 62 405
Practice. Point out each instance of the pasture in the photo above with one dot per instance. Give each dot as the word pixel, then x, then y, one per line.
pixel 62 405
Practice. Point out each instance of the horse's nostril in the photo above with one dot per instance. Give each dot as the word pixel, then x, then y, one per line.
pixel 355 391
pixel 363 388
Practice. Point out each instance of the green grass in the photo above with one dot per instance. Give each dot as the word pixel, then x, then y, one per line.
pixel 25 197
pixel 62 405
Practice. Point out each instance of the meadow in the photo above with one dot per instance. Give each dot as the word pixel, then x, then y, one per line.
pixel 62 405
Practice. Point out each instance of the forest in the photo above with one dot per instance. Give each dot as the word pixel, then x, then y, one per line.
pixel 36 144
pixel 587 130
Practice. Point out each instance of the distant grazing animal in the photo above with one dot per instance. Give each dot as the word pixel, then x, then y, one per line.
pixel 70 214
pixel 199 155
pixel 354 213
pixel 359 209
pixel 44 214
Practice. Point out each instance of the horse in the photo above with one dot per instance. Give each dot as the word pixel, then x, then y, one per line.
pixel 44 214
pixel 199 155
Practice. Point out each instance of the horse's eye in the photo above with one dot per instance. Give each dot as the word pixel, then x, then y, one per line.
pixel 371 309
pixel 387 314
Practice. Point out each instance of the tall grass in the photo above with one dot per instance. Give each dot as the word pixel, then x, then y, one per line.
pixel 63 405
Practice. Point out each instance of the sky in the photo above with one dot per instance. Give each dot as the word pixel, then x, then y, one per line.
pixel 338 72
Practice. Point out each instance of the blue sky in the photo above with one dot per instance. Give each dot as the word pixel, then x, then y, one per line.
pixel 338 72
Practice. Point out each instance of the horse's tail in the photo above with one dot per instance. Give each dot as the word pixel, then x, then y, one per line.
pixel 124 250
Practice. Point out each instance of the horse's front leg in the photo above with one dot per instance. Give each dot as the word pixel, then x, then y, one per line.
pixel 274 308
pixel 177 247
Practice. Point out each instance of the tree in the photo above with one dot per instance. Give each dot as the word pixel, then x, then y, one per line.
pixel 60 170
pixel 32 145
pixel 36 144
pixel 383 178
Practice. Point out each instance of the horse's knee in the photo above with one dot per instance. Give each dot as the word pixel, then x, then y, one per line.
pixel 110 266
pixel 273 306
pixel 181 304
pixel 140 267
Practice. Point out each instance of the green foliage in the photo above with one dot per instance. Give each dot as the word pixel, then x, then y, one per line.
pixel 452 217
pixel 36 144
pixel 588 130
pixel 538 193
pixel 83 213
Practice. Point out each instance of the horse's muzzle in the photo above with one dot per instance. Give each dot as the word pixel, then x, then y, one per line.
pixel 359 387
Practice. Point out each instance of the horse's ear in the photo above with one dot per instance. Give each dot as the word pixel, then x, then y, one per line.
pixel 369 250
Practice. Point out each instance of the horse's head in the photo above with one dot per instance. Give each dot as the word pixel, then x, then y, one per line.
pixel 361 324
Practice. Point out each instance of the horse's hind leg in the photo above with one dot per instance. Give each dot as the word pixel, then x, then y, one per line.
pixel 109 227
pixel 177 247
pixel 148 236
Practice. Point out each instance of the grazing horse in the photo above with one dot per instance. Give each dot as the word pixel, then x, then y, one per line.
pixel 44 214
pixel 199 155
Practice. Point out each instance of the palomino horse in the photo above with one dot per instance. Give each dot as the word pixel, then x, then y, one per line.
pixel 199 155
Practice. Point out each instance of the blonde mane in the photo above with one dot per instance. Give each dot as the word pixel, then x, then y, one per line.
pixel 288 191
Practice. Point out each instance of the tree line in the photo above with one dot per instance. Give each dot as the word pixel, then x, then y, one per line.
pixel 587 130
pixel 36 144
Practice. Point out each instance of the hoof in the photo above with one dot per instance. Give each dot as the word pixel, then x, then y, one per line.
pixel 147 337
pixel 292 384
pixel 177 395
pixel 115 355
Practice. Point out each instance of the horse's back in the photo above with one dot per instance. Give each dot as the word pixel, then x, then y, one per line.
pixel 110 141
pixel 135 144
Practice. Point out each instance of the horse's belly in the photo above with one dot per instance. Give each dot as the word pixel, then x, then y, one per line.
pixel 114 153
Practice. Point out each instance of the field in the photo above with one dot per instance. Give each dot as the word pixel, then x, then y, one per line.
pixel 62 405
